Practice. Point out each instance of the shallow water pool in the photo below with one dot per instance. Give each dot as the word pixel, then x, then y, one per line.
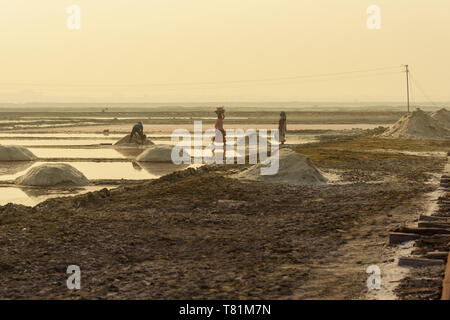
pixel 100 170
pixel 79 153
pixel 32 196
pixel 56 142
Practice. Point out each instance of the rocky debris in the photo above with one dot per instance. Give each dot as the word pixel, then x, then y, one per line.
pixel 430 253
pixel 12 211
pixel 53 174
pixel 419 262
pixel 180 174
pixel 92 199
pixel 16 153
pixel 423 284
pixel 399 237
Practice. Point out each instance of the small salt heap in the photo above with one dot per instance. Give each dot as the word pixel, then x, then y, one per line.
pixel 53 174
pixel 16 153
pixel 294 168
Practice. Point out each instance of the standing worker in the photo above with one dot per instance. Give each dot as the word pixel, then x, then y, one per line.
pixel 139 129
pixel 282 127
pixel 220 132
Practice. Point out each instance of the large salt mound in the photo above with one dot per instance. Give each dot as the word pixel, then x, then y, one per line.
pixel 417 125
pixel 16 153
pixel 442 116
pixel 294 168
pixel 135 141
pixel 53 174
pixel 156 153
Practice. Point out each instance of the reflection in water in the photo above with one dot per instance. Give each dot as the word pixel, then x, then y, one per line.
pixel 33 196
pixel 14 195
pixel 136 166
pixel 130 153
pixel 59 142
pixel 98 153
pixel 111 170
pixel 68 135
pixel 38 192
pixel 108 170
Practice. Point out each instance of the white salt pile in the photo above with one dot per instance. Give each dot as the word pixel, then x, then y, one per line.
pixel 135 141
pixel 156 153
pixel 16 153
pixel 417 125
pixel 294 168
pixel 442 116
pixel 53 174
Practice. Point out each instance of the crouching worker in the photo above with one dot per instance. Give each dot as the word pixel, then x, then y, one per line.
pixel 138 129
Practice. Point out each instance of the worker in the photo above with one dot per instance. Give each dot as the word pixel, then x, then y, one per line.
pixel 220 132
pixel 282 127
pixel 138 128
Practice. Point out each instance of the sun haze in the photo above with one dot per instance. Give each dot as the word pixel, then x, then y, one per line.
pixel 222 50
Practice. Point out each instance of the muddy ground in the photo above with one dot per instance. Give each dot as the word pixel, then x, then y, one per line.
pixel 199 234
pixel 365 158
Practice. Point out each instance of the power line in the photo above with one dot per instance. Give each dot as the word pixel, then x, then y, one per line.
pixel 324 75
pixel 417 84
pixel 298 82
pixel 412 93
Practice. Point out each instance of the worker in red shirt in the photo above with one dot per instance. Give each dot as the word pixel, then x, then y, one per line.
pixel 220 132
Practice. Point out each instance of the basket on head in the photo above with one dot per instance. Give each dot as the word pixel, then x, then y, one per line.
pixel 220 110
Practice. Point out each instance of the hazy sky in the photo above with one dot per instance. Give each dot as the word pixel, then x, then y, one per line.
pixel 206 50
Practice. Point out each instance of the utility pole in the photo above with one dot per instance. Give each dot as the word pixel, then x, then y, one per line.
pixel 407 84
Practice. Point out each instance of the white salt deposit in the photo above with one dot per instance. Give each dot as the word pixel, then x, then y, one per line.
pixel 417 125
pixel 53 174
pixel 442 116
pixel 294 168
pixel 135 141
pixel 16 153
pixel 156 153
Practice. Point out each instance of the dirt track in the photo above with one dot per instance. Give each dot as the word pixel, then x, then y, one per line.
pixel 196 234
